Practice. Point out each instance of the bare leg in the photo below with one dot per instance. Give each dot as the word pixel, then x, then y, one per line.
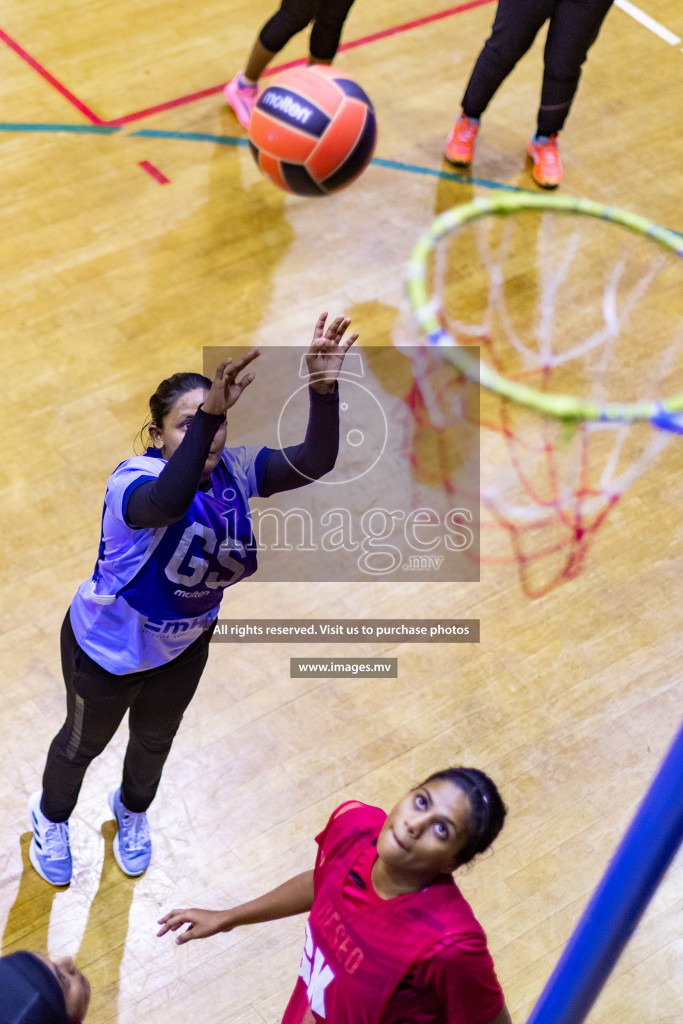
pixel 259 59
pixel 292 16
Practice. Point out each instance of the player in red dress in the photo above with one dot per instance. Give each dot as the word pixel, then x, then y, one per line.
pixel 389 937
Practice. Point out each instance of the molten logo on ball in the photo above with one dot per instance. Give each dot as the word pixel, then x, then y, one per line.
pixel 313 131
pixel 283 101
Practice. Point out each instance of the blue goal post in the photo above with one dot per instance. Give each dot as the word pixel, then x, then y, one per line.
pixel 633 874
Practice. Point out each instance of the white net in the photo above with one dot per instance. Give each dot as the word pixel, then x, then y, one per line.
pixel 568 305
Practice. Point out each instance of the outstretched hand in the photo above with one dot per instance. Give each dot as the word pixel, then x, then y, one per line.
pixel 227 385
pixel 201 924
pixel 326 354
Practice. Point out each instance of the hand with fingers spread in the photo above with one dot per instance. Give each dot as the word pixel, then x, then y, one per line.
pixel 326 354
pixel 201 923
pixel 227 385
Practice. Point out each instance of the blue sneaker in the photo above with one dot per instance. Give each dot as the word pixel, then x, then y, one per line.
pixel 132 843
pixel 49 851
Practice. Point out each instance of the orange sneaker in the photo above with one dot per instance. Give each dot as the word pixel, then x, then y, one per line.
pixel 460 143
pixel 547 169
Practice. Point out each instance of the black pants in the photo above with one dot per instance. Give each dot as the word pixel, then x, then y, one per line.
pixel 328 17
pixel 96 701
pixel 573 28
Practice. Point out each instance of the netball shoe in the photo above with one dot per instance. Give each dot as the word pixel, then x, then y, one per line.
pixel 241 97
pixel 460 144
pixel 547 169
pixel 49 851
pixel 132 843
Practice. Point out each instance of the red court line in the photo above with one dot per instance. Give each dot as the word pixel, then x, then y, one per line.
pixel 362 41
pixel 155 172
pixel 191 97
pixel 138 115
pixel 61 89
pixel 416 23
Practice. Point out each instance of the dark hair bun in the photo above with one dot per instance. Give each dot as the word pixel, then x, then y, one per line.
pixel 488 809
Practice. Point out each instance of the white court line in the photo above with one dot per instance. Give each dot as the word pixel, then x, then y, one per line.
pixel 659 30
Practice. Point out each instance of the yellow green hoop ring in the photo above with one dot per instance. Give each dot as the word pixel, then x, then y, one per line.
pixel 557 406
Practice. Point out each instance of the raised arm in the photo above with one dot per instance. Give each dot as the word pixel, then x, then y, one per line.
pixel 325 357
pixel 292 897
pixel 160 502
pixel 287 468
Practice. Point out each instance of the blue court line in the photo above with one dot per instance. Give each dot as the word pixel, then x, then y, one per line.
pixel 238 140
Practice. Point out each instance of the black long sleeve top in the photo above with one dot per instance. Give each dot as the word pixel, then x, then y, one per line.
pixel 165 500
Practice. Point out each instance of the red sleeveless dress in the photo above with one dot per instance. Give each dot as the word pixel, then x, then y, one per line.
pixel 360 949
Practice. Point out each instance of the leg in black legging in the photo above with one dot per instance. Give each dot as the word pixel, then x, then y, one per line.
pixel 573 29
pixel 327 29
pixel 292 17
pixel 515 27
pixel 94 709
pixel 154 718
pixel 97 701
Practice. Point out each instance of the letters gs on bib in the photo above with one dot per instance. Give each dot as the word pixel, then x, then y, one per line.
pixel 313 130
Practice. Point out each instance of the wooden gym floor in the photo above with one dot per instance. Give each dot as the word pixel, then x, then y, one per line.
pixel 136 232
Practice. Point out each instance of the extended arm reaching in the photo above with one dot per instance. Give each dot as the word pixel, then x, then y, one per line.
pixel 287 468
pixel 164 500
pixel 292 897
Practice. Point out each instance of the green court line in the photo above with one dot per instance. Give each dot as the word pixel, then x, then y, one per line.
pixel 77 129
pixel 222 140
pixel 464 179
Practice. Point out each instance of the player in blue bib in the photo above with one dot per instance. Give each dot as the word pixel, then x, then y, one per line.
pixel 176 532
